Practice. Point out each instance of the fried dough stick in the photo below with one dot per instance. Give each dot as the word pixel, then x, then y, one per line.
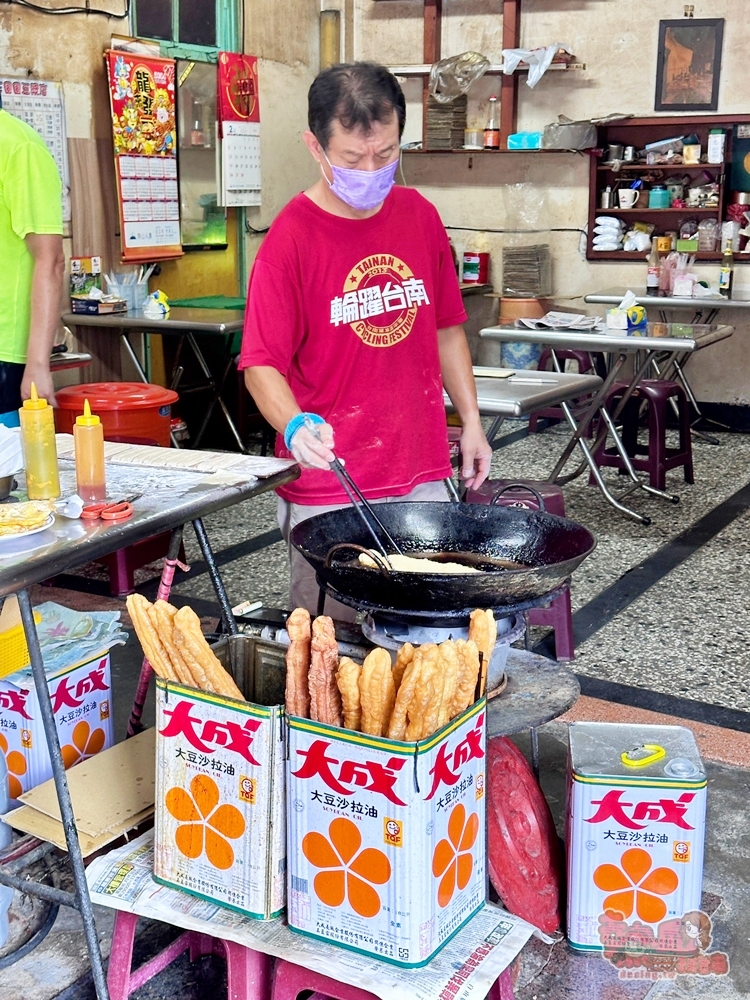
pixel 377 692
pixel 483 630
pixel 298 663
pixel 325 700
pixel 347 679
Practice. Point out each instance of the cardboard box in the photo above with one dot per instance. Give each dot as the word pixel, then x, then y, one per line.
pixel 85 274
pixel 386 839
pixel 96 307
pixel 82 703
pixel 220 804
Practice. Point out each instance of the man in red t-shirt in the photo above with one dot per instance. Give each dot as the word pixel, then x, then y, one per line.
pixel 354 318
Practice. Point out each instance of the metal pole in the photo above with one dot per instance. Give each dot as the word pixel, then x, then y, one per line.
pixel 165 586
pixel 213 572
pixel 63 796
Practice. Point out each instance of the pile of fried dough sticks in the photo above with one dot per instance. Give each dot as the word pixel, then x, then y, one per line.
pixel 174 644
pixel 409 700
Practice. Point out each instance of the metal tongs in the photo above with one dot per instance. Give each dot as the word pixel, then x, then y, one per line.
pixel 355 494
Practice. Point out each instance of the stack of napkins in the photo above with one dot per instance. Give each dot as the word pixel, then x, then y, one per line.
pixel 11 453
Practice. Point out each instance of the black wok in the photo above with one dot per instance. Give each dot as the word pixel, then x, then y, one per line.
pixel 548 547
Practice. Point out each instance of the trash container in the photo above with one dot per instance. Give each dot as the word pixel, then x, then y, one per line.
pixel 129 411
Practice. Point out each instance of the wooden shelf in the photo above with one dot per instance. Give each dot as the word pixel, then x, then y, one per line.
pixel 646 169
pixel 488 152
pixel 495 69
pixel 662 211
pixel 633 255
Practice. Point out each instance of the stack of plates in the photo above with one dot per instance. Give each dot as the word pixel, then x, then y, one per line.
pixel 527 271
pixel 445 124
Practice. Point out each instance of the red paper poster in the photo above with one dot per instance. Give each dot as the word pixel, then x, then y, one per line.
pixel 142 98
pixel 238 88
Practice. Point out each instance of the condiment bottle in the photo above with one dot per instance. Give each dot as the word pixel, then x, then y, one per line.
pixel 39 448
pixel 653 271
pixel 726 272
pixel 88 435
pixel 492 128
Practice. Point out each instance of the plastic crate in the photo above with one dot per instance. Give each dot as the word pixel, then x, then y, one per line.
pixel 14 650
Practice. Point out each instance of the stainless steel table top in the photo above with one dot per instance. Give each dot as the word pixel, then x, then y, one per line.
pixel 180 320
pixel 71 542
pixel 678 338
pixel 527 391
pixel 613 296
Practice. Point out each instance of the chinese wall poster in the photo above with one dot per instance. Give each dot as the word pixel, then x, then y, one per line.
pixel 142 99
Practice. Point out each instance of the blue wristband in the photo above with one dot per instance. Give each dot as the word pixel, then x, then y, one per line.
pixel 295 423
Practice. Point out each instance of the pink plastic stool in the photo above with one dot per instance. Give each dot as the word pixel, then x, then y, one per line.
pixel 558 615
pixel 248 971
pixel 291 980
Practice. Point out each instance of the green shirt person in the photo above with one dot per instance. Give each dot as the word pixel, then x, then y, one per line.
pixel 32 264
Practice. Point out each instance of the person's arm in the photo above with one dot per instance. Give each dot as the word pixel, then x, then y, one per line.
pixel 275 400
pixel 458 379
pixel 46 290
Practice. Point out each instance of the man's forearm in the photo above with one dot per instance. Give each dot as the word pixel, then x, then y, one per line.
pixel 46 289
pixel 458 377
pixel 272 396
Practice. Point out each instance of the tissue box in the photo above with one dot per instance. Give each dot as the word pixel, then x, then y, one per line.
pixel 96 307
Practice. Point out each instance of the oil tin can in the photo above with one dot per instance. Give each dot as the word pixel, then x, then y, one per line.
pixel 635 829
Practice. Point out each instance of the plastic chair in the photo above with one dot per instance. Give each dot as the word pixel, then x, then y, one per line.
pixel 291 980
pixel 585 363
pixel 657 458
pixel 248 971
pixel 558 615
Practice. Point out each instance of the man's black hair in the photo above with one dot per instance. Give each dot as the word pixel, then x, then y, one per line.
pixel 357 94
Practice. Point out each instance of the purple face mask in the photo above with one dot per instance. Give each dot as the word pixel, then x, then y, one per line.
pixel 362 189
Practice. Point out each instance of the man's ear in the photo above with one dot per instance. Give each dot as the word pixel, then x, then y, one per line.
pixel 316 150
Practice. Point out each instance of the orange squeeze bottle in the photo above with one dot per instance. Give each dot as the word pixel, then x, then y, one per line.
pixel 88 436
pixel 39 448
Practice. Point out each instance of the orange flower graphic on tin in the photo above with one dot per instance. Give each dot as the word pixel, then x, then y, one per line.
pixel 16 768
pixel 204 824
pixel 453 861
pixel 85 743
pixel 635 884
pixel 349 873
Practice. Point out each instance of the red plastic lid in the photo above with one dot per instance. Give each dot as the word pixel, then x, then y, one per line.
pixel 114 396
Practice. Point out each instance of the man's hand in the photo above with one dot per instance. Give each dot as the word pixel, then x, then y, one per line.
pixel 41 376
pixel 312 452
pixel 476 454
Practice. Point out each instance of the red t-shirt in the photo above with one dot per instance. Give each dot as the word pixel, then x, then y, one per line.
pixel 348 310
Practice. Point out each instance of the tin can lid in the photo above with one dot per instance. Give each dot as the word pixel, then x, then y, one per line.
pixel 635 752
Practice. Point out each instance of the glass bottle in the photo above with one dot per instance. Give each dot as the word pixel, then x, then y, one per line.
pixel 726 273
pixel 492 128
pixel 654 270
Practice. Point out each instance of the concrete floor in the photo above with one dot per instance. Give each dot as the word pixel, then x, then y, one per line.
pixel 660 615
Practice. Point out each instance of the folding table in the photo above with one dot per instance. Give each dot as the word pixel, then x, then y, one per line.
pixel 667 304
pixel 523 392
pixel 69 543
pixel 188 325
pixel 658 343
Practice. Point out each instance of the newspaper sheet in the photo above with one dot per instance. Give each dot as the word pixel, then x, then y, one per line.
pixel 465 969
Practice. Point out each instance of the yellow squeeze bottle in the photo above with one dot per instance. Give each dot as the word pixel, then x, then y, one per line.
pixel 39 448
pixel 88 435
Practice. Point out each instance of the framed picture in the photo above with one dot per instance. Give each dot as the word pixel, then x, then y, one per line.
pixel 689 64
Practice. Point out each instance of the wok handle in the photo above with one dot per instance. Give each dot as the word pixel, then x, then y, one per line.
pixel 520 486
pixel 372 553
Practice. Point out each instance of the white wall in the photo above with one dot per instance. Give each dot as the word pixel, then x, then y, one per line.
pixel 618 43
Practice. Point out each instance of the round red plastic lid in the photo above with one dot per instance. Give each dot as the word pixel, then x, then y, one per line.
pixel 115 396
pixel 523 850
